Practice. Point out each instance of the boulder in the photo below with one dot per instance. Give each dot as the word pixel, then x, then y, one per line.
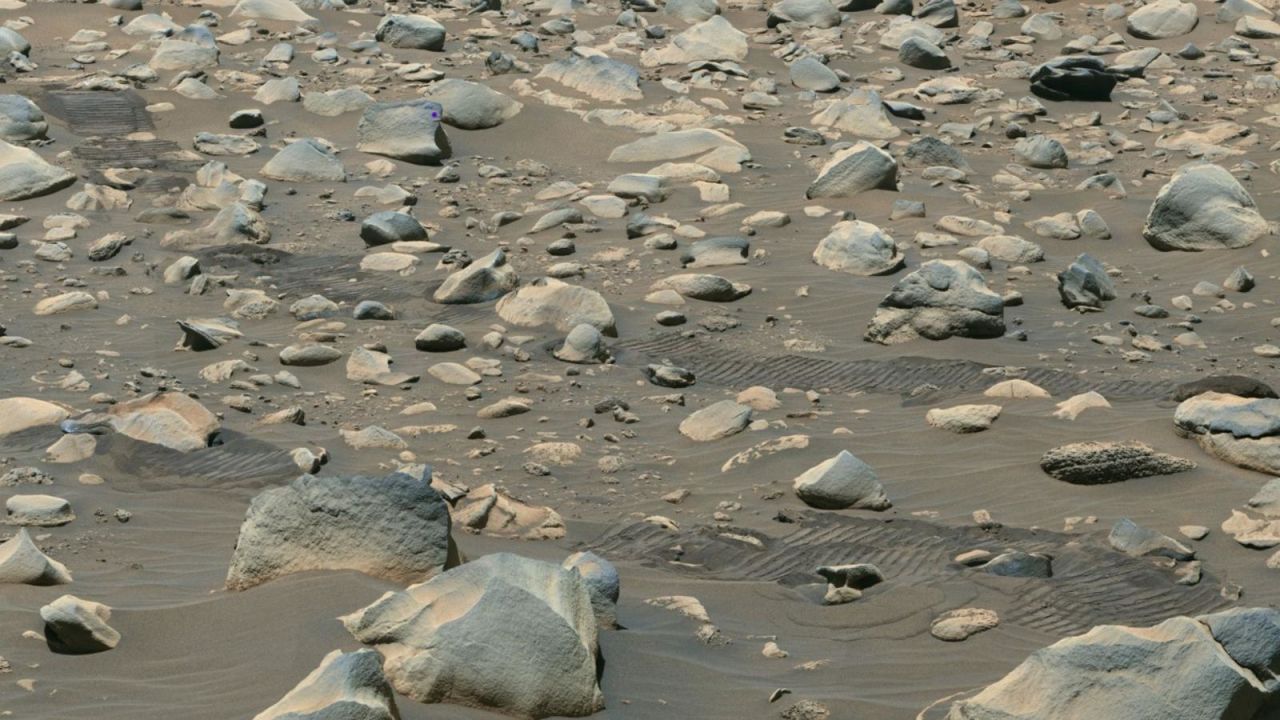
pixel 703 286
pixel 78 627
pixel 394 527
pixel 22 563
pixel 861 113
pixel 597 76
pixel 583 345
pixel 1041 151
pixel 305 160
pixel 24 174
pixel 809 73
pixel 840 483
pixel 22 413
pixel 1203 207
pixel 184 53
pixel 472 106
pixel 38 511
pixel 1098 463
pixel 519 637
pixel 492 511
pixel 712 39
pixel 1184 668
pixel 958 625
pixel 547 301
pixel 488 278
pixel 66 302
pixel 963 419
pixel 716 421
pixel 1238 430
pixel 944 298
pixel 1074 77
pixel 1011 249
pixel 859 248
pixel 815 13
pixel 374 368
pixel 21 120
pixel 413 32
pixel 391 226
pixel 675 145
pixel 407 130
pixel 333 103
pixel 346 686
pixel 1085 283
pixel 918 52
pixel 1162 19
pixel 277 10
pixel 171 419
pixel 853 170
pixel 1136 541
pixel 440 338
pixel 602 582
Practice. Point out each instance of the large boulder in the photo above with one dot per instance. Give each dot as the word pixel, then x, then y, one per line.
pixel 944 298
pixel 597 76
pixel 861 113
pixel 816 13
pixel 853 170
pixel 171 419
pixel 24 174
pixel 22 563
pixel 1218 666
pixel 305 160
pixel 548 301
pixel 407 130
pixel 502 632
pixel 840 483
pixel 488 278
pixel 859 248
pixel 712 39
pixel 472 106
pixel 413 32
pixel 1095 463
pixel 1203 207
pixel 394 527
pixel 346 686
pixel 1241 431
pixel 21 120
pixel 78 627
pixel 190 49
pixel 1162 19
pixel 22 413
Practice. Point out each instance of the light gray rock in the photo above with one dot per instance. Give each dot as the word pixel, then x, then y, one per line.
pixel 1241 431
pixel 583 345
pixel 918 52
pixel 712 39
pixel 598 77
pixel 276 10
pixel 1134 540
pixel 716 421
pixel 551 302
pixel 390 226
pixel 855 170
pixel 333 103
pixel 691 11
pixel 944 298
pixel 1085 283
pixel 1011 249
pixel 21 120
pixel 1203 207
pixel 440 338
pixel 394 527
pixel 472 106
pixel 815 13
pixel 305 160
pixel 602 581
pixel 859 248
pixel 38 511
pixel 1041 151
pixel 488 278
pixel 11 41
pixel 346 686
pixel 963 419
pixel 172 419
pixel 21 562
pixel 407 130
pixel 676 145
pixel 24 174
pixel 78 627
pixel 703 286
pixel 1162 19
pixel 1098 463
pixel 414 32
pixel 809 73
pixel 861 113
pixel 840 483
pixel 309 355
pixel 520 637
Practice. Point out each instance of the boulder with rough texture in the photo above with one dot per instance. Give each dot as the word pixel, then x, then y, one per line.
pixel 1238 430
pixel 1211 666
pixel 547 301
pixel 1085 283
pixel 854 170
pixel 716 421
pixel 840 483
pixel 492 511
pixel 78 627
pixel 596 76
pixel 38 510
pixel 305 160
pixel 1203 207
pixel 963 624
pixel 677 144
pixel 815 13
pixel 408 130
pixel 1162 19
pixel 859 248
pixel 1099 463
pixel 944 298
pixel 21 120
pixel 483 280
pixel 963 419
pixel 346 686
pixel 24 174
pixel 391 226
pixel 712 39
pixel 171 419
pixel 277 10
pixel 602 582
pixel 519 636
pixel 472 106
pixel 703 286
pixel 861 113
pixel 22 563
pixel 394 527
pixel 414 32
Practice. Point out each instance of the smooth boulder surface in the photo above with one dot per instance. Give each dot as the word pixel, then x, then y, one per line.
pixel 22 563
pixel 305 160
pixel 488 278
pixel 1238 430
pixel 21 120
pixel 716 421
pixel 472 106
pixel 944 298
pixel 345 686
pixel 408 130
pixel 414 32
pixel 503 633
pixel 394 527
pixel 22 413
pixel 1162 19
pixel 1085 283
pixel 859 248
pixel 548 301
pixel 1203 207
pixel 842 482
pixel 24 174
pixel 854 170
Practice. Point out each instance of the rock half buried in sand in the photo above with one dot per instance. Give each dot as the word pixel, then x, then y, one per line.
pixel 676 145
pixel 346 686
pixel 963 419
pixel 492 511
pixel 1085 283
pixel 22 563
pixel 394 527
pixel 414 32
pixel 305 160
pixel 583 345
pixel 518 636
pixel 860 113
pixel 841 482
pixel 963 624
pixel 1134 540
pixel 944 298
pixel 716 421
pixel 859 248
pixel 547 301
pixel 1185 668
pixel 1203 207
pixel 171 419
pixel 38 510
pixel 78 627
pixel 22 413
pixel 854 170
pixel 703 286
pixel 1099 463
pixel 488 278
pixel 24 174
pixel 407 130
pixel 1241 385
pixel 1241 431
pixel 845 583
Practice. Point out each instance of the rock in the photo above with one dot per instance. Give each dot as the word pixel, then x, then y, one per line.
pixel 845 583
pixel 1072 77
pixel 918 52
pixel 716 421
pixel 1259 534
pixel 333 103
pixel 305 160
pixel 547 301
pixel 958 625
pixel 676 145
pixel 21 562
pixel 278 10
pixel 38 511
pixel 504 408
pixel 840 483
pixel 21 120
pixel 390 226
pixel 1016 563
pixel 717 252
pixel 584 345
pixel 597 76
pixel 854 170
pixel 1085 283
pixel 78 627
pixel 1040 151
pixel 24 174
pixel 1131 539
pixel 861 113
pixel 1240 280
pixel 486 279
pixel 1240 385
pixel 313 307
pixel 963 419
pixel 413 32
pixel 394 527
pixel 944 298
pixel 494 512
pixel 185 53
pixel 13 42
pixel 472 106
pixel 520 638
pixel 23 413
pixel 1097 463
pixel 809 73
pixel 278 90
pixel 1162 19
pixel 309 355
pixel 440 338
pixel 1011 249
pixel 66 302
pixel 815 13
pixel 1241 431
pixel 346 686
pixel 1203 208
pixel 171 419
pixel 454 374
pixel 1071 408
pixel 1016 389
pixel 902 28
pixel 702 286
pixel 712 39
pixel 407 130
pixel 1200 666
pixel 374 368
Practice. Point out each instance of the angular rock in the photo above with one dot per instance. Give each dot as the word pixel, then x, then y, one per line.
pixel 716 421
pixel 407 130
pixel 547 301
pixel 488 278
pixel 963 419
pixel 854 170
pixel 472 106
pixel 840 483
pixel 1203 207
pixel 78 627
pixel 346 686
pixel 22 563
pixel 944 298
